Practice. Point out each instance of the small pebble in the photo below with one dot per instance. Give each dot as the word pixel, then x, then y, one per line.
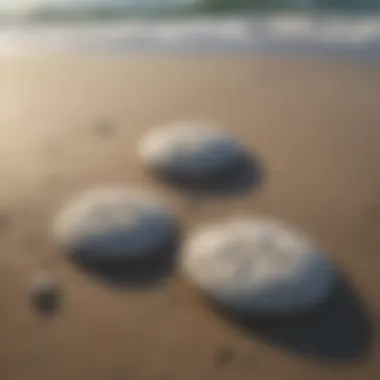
pixel 45 293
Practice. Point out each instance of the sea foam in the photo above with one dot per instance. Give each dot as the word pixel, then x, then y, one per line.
pixel 286 33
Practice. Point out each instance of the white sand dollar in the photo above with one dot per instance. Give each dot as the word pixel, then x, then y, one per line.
pixel 190 149
pixel 114 223
pixel 258 266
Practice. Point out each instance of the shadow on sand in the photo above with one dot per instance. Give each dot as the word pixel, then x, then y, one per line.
pixel 338 332
pixel 243 176
pixel 136 273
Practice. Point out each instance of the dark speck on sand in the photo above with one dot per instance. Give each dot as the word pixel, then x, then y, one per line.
pixel 224 356
pixel 105 128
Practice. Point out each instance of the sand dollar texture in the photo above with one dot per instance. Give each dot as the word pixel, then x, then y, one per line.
pixel 114 223
pixel 258 266
pixel 190 150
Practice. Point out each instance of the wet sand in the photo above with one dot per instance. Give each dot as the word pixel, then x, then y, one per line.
pixel 68 123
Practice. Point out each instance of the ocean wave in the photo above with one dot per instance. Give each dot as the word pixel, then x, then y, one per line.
pixel 356 35
pixel 81 10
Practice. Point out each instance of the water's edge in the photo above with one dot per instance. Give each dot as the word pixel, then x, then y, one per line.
pixel 82 10
pixel 312 33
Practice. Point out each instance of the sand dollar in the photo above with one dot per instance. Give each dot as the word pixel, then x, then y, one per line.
pixel 258 266
pixel 190 150
pixel 114 223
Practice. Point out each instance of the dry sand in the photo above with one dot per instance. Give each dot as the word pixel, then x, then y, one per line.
pixel 67 123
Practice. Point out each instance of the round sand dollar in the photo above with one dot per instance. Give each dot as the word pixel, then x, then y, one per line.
pixel 114 223
pixel 190 150
pixel 258 266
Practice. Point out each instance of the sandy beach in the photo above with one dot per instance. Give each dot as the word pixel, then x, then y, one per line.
pixel 68 123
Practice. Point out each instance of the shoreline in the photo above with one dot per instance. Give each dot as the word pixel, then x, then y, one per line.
pixel 285 34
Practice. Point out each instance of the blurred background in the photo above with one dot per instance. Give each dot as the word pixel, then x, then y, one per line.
pixel 322 25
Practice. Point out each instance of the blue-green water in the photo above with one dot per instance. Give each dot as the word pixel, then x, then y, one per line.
pixel 328 5
pixel 118 9
pixel 318 26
